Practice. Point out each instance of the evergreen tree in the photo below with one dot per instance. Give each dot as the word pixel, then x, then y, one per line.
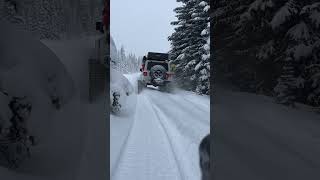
pixel 226 19
pixel 285 91
pixel 180 41
pixel 188 43
pixel 125 63
pixel 203 67
pixel 52 19
pixel 270 47
pixel 299 23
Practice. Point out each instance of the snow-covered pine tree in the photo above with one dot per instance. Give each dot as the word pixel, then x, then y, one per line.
pixel 193 50
pixel 285 89
pixel 52 19
pixel 122 59
pixel 299 23
pixel 203 67
pixel 180 41
pixel 255 47
pixel 130 61
pixel 187 43
pixel 226 17
pixel 260 40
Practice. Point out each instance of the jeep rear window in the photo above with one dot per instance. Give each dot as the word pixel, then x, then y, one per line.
pixel 151 64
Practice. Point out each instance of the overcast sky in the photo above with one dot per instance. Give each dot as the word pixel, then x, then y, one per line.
pixel 142 25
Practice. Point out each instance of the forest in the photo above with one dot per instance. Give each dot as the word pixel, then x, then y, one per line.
pixel 53 19
pixel 269 47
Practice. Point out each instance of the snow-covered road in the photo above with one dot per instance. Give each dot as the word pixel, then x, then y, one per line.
pixel 256 139
pixel 160 140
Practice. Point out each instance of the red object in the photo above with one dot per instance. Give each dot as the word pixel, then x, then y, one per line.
pixel 142 67
pixel 168 75
pixel 145 73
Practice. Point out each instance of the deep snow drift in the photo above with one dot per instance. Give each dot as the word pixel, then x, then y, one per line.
pixel 70 135
pixel 160 139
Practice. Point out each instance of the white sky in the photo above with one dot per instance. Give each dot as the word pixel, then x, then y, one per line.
pixel 142 25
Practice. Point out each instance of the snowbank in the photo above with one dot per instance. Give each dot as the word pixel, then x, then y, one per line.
pixel 122 94
pixel 120 126
pixel 68 146
pixel 74 54
pixel 29 69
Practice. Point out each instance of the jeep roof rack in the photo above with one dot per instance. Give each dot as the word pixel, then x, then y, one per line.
pixel 158 56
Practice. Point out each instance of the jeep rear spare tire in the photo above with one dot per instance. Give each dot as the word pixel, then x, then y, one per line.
pixel 158 73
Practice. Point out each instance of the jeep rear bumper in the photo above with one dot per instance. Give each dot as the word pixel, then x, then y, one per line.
pixel 158 84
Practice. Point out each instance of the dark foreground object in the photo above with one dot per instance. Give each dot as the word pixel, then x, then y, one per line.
pixel 204 153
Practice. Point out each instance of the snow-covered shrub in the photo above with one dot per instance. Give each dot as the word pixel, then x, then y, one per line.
pixel 122 95
pixel 15 140
pixel 36 86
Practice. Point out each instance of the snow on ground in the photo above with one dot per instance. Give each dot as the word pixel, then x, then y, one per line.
pixel 258 139
pixel 70 139
pixel 161 139
pixel 75 54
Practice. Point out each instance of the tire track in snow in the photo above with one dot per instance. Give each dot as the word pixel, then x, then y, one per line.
pixel 164 128
pixel 183 161
pixel 147 154
pixel 192 100
pixel 196 105
pixel 123 147
pixel 184 106
pixel 170 108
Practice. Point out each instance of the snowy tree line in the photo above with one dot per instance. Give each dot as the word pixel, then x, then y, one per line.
pixel 126 63
pixel 190 43
pixel 269 47
pixel 53 19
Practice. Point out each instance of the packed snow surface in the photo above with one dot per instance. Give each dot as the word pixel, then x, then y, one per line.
pixel 258 139
pixel 160 140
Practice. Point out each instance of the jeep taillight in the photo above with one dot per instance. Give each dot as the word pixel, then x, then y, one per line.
pixel 168 75
pixel 145 73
